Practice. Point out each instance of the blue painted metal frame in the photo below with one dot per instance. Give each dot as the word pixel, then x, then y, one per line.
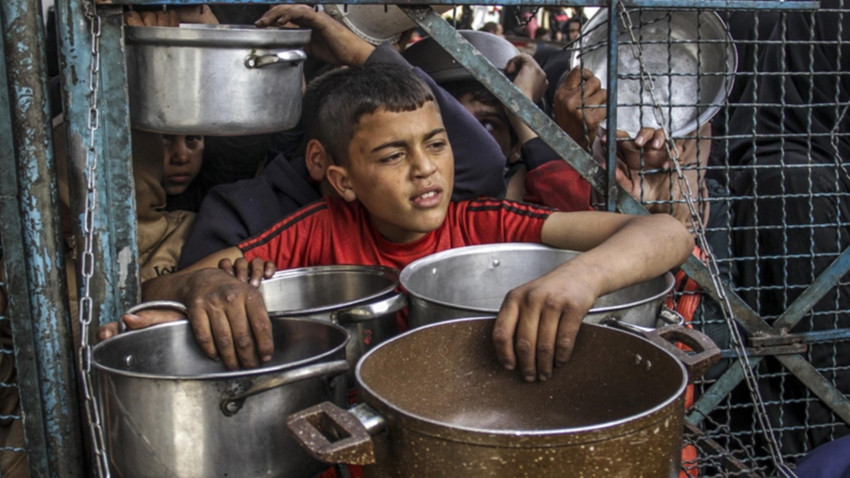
pixel 115 285
pixel 38 302
pixel 23 336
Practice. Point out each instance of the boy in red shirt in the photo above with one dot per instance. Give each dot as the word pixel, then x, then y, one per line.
pixel 391 164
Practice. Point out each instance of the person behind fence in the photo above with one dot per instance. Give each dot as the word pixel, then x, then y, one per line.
pixel 790 154
pixel 391 165
pixel 234 212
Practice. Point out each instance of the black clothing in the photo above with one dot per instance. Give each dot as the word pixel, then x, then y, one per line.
pixel 790 222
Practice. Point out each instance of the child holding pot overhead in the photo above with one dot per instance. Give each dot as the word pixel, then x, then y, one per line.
pixel 390 162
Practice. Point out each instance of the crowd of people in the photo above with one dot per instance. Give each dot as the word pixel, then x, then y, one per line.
pixel 401 153
pixel 494 155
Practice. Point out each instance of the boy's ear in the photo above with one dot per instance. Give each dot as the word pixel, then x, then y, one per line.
pixel 317 160
pixel 337 176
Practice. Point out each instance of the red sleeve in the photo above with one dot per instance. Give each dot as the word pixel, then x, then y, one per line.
pixel 556 184
pixel 487 221
pixel 298 240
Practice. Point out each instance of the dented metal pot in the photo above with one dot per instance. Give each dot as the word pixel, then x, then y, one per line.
pixel 215 79
pixel 168 410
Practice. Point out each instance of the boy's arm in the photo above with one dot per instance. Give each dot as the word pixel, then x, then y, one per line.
pixel 538 322
pixel 228 316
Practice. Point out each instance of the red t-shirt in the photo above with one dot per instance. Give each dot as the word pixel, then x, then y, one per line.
pixel 333 231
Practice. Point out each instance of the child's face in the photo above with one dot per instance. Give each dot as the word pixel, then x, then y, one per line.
pixel 401 168
pixel 492 118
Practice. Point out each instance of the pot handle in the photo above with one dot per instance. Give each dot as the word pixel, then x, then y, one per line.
pixel 287 56
pixel 706 352
pixel 315 427
pixel 362 313
pixel 231 404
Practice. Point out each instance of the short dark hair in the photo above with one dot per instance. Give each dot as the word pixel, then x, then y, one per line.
pixel 335 101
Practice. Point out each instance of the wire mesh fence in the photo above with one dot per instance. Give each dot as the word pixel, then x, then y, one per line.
pixel 772 197
pixel 770 194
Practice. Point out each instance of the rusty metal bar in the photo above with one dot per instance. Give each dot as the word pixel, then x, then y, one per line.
pixel 18 288
pixel 39 292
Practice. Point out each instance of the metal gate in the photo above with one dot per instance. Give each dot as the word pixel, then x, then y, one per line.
pixel 772 291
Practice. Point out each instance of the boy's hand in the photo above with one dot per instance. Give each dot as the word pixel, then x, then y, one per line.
pixel 579 106
pixel 527 76
pixel 537 324
pixel 252 273
pixel 648 151
pixel 330 41
pixel 531 80
pixel 228 317
pixel 144 318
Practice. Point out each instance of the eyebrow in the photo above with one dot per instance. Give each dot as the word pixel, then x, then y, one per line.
pixel 396 144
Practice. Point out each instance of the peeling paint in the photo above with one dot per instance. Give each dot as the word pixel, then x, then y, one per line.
pixel 125 260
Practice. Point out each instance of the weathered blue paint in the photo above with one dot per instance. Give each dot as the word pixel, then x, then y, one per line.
pixel 709 4
pixel 41 235
pixel 114 220
pixel 119 185
pixel 17 286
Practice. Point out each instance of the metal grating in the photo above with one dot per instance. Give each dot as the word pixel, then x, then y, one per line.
pixel 778 227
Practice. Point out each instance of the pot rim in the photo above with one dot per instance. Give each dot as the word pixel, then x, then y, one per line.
pixel 228 374
pixel 508 436
pixel 218 36
pixel 388 273
pixel 424 263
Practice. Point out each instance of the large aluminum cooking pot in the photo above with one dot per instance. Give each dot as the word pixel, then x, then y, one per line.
pixel 675 67
pixel 436 402
pixel 215 79
pixel 169 411
pixel 363 299
pixel 473 281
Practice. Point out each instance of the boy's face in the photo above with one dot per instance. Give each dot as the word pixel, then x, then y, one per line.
pixel 401 168
pixel 492 118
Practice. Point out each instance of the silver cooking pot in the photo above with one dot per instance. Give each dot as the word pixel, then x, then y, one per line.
pixel 168 410
pixel 473 281
pixel 363 299
pixel 215 79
